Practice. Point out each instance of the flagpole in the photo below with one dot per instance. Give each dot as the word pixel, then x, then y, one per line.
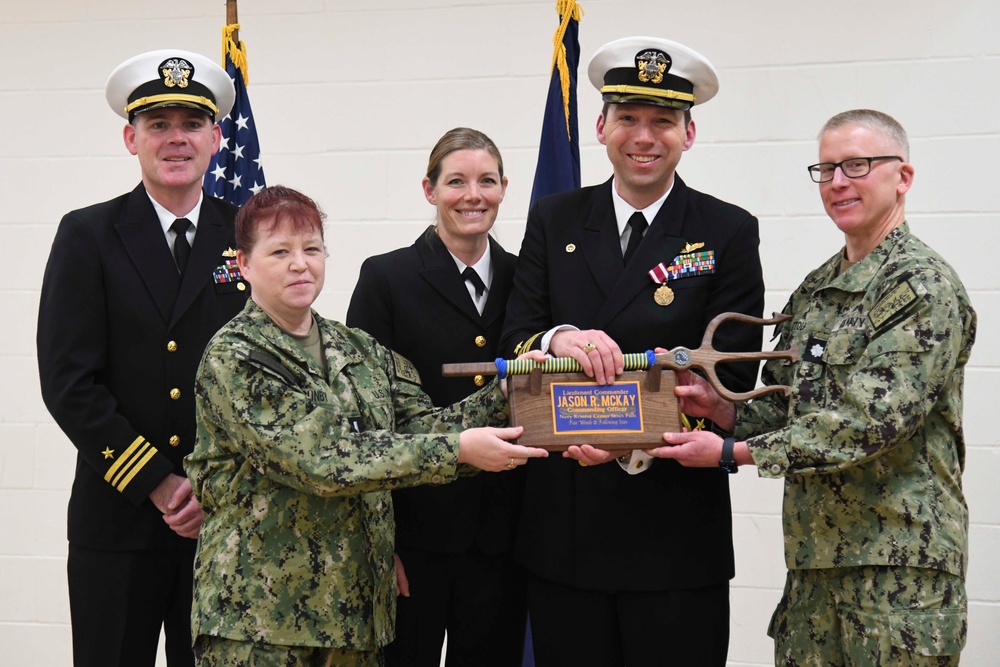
pixel 232 17
pixel 235 172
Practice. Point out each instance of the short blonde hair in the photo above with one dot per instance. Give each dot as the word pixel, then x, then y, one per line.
pixel 880 122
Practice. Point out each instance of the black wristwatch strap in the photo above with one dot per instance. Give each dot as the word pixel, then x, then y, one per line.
pixel 727 462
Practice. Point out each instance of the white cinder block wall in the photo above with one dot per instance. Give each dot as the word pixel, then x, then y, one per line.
pixel 349 97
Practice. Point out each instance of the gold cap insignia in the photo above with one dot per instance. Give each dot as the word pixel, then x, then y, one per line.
pixel 652 65
pixel 176 72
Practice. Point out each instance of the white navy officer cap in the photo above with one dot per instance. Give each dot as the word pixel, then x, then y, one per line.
pixel 652 70
pixel 169 78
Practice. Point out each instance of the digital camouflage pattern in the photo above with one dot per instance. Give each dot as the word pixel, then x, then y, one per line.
pixel 870 616
pixel 870 442
pixel 293 468
pixel 219 652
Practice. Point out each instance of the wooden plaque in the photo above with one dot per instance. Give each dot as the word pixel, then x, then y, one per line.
pixel 562 409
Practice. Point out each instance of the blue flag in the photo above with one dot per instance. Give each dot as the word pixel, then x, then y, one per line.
pixel 235 173
pixel 558 167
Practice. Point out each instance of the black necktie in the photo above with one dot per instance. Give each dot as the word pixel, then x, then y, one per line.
pixel 638 224
pixel 182 249
pixel 470 275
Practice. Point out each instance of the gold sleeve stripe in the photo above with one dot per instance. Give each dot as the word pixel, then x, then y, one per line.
pixel 124 458
pixel 130 463
pixel 684 421
pixel 525 345
pixel 137 468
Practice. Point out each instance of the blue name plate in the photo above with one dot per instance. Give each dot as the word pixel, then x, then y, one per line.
pixel 585 407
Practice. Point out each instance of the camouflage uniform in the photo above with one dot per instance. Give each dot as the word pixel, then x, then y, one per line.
pixel 218 652
pixel 870 442
pixel 293 468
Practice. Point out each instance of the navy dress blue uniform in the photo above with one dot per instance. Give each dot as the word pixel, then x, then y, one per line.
pixel 598 528
pixel 453 539
pixel 120 334
pixel 633 569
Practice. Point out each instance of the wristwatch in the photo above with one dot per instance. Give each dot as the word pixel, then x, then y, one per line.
pixel 727 462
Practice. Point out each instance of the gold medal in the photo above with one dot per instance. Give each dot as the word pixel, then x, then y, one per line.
pixel 664 296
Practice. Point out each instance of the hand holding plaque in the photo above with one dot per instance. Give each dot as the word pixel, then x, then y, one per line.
pixel 559 406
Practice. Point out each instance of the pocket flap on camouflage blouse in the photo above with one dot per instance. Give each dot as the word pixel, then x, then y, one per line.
pixel 903 339
pixel 845 347
pixel 929 632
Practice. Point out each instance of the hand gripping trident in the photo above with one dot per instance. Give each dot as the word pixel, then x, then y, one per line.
pixel 678 359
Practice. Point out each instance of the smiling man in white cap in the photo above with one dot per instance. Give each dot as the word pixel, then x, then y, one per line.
pixel 133 289
pixel 630 563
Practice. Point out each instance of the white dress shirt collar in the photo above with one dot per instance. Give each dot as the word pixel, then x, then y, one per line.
pixel 484 267
pixel 167 218
pixel 624 210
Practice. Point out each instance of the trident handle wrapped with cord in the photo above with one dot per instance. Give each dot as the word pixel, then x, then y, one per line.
pixel 678 359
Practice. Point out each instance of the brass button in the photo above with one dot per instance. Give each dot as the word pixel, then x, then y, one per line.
pixel 479 380
pixel 172 346
pixel 241 286
pixel 174 440
pixel 571 248
pixel 175 393
pixel 480 341
pixel 639 464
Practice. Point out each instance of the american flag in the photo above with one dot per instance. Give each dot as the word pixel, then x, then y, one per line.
pixel 235 173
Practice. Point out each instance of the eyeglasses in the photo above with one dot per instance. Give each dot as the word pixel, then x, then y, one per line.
pixel 854 167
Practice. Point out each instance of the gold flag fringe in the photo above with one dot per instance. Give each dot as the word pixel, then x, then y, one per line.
pixel 237 52
pixel 567 10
